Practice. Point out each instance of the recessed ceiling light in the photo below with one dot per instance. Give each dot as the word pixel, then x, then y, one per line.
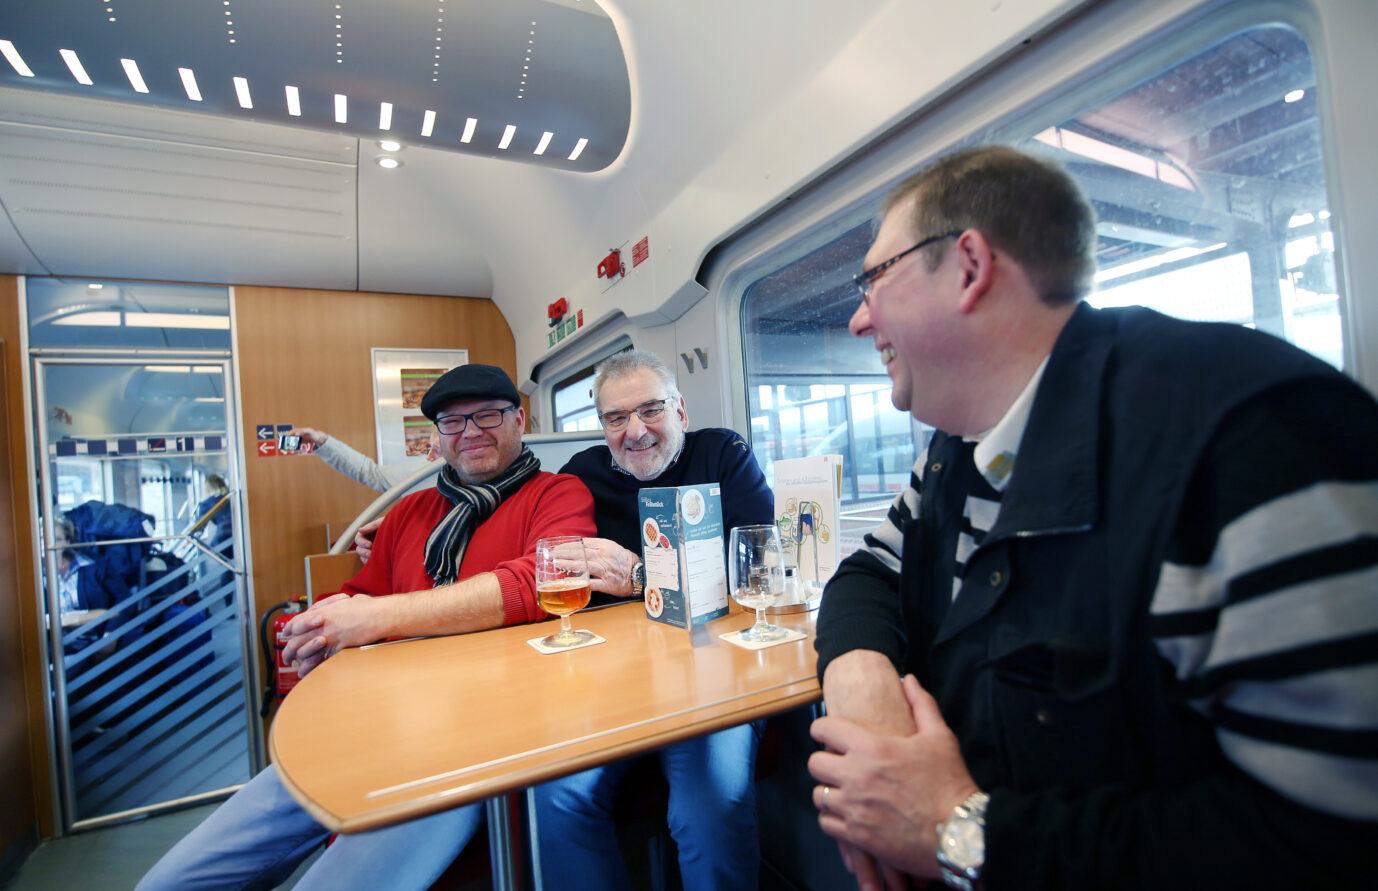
pixel 578 149
pixel 293 101
pixel 390 145
pixel 469 126
pixel 12 54
pixel 341 108
pixel 428 123
pixel 189 84
pixel 507 135
pixel 96 286
pixel 136 80
pixel 544 143
pixel 388 162
pixel 241 89
pixel 1294 96
pixel 74 66
pixel 385 116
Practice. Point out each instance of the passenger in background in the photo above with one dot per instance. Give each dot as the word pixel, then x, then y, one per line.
pixel 221 530
pixel 1122 627
pixel 87 587
pixel 467 548
pixel 215 491
pixel 712 809
pixel 358 466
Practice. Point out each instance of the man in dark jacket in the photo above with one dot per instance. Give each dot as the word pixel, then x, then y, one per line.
pixel 1121 628
pixel 712 808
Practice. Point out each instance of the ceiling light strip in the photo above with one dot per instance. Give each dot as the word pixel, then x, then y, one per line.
pixel 544 143
pixel 16 61
pixel 136 80
pixel 507 134
pixel 428 123
pixel 341 108
pixel 469 126
pixel 74 66
pixel 189 84
pixel 293 101
pixel 241 89
pixel 439 28
pixel 578 149
pixel 385 116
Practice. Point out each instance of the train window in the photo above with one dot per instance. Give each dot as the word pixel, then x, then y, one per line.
pixel 1209 183
pixel 573 400
pixel 572 395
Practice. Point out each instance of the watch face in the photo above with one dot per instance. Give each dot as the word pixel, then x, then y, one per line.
pixel 964 843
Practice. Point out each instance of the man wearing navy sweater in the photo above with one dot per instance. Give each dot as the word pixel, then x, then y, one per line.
pixel 712 808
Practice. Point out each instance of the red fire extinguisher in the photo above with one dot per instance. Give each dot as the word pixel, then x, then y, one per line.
pixel 284 674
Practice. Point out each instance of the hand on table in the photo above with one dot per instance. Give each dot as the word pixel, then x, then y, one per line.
pixel 329 626
pixel 885 795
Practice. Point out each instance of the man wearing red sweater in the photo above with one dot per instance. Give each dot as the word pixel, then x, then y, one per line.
pixel 465 551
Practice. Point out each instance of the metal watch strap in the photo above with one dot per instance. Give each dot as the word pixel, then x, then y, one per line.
pixel 972 810
pixel 638 579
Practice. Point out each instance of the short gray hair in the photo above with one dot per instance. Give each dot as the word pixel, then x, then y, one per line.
pixel 627 362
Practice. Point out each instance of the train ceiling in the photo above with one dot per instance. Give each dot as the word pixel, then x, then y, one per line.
pixel 531 81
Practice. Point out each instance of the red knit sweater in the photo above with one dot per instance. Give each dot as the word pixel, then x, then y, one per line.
pixel 504 544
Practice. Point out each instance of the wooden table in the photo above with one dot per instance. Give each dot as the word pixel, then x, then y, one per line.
pixel 382 734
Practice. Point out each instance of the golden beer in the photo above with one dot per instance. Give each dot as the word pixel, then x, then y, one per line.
pixel 564 596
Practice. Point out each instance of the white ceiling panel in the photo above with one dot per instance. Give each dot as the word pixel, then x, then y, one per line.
pixel 277 206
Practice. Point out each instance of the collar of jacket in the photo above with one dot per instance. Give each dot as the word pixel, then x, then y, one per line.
pixel 1056 487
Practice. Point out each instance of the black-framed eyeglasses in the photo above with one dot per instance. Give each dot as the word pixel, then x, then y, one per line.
pixel 486 419
pixel 648 412
pixel 864 279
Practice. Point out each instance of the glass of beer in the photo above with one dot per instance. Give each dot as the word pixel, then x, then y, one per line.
pixel 756 573
pixel 562 584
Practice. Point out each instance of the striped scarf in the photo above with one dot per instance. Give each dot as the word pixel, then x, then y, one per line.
pixel 472 505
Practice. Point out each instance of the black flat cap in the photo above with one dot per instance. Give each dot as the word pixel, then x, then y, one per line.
pixel 469 382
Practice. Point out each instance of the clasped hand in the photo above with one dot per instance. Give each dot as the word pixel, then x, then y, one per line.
pixel 330 625
pixel 885 795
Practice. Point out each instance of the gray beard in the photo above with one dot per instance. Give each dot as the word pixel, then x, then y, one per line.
pixel 671 463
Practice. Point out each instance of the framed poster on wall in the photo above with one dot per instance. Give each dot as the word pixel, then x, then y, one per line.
pixel 400 379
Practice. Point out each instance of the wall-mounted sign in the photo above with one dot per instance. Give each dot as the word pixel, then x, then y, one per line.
pixel 400 379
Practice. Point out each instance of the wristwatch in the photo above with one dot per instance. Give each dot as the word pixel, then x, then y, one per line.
pixel 962 843
pixel 638 578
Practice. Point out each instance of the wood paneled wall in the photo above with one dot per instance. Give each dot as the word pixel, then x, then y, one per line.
pixel 23 780
pixel 304 358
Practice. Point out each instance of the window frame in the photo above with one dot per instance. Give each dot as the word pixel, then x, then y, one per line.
pixel 1013 99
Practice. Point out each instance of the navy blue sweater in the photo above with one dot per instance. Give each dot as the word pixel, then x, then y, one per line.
pixel 713 455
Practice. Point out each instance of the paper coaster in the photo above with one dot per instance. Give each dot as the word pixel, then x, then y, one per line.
pixel 734 638
pixel 542 648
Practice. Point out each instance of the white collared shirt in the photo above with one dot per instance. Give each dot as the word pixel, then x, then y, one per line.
pixel 997 447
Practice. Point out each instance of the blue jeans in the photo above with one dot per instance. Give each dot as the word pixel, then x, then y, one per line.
pixel 712 817
pixel 260 835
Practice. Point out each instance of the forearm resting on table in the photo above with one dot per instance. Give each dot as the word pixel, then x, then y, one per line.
pixel 341 621
pixel 474 604
pixel 864 687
